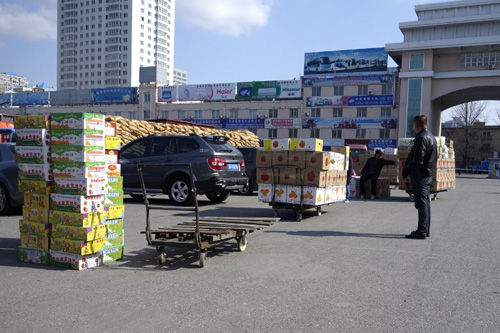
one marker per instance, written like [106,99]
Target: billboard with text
[370,100]
[283,123]
[5,99]
[350,123]
[126,95]
[207,92]
[30,98]
[347,80]
[269,90]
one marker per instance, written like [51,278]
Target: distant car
[250,157]
[389,123]
[348,124]
[218,167]
[10,197]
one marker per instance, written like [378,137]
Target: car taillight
[216,163]
[242,164]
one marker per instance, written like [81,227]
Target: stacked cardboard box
[320,179]
[443,176]
[382,191]
[33,155]
[388,171]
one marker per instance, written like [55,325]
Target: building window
[316,91]
[197,114]
[360,134]
[361,112]
[252,113]
[336,133]
[417,61]
[163,114]
[387,89]
[215,114]
[293,133]
[316,113]
[338,91]
[147,114]
[273,113]
[362,90]
[147,96]
[486,134]
[132,115]
[233,114]
[385,133]
[294,113]
[337,112]
[181,114]
[273,133]
[414,104]
[315,133]
[385,112]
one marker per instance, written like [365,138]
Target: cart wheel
[298,215]
[203,258]
[275,213]
[162,257]
[412,197]
[242,243]
[318,211]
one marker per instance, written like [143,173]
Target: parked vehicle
[6,132]
[218,167]
[10,197]
[250,157]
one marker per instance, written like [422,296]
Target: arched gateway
[450,56]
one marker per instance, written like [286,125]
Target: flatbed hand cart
[200,233]
[298,209]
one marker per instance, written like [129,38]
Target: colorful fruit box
[77,137]
[113,198]
[36,186]
[264,158]
[113,240]
[114,184]
[33,256]
[41,172]
[32,122]
[114,212]
[76,120]
[110,129]
[114,226]
[265,193]
[113,142]
[35,214]
[77,246]
[277,144]
[78,233]
[76,203]
[113,170]
[75,261]
[111,159]
[280,193]
[81,186]
[33,137]
[33,241]
[79,169]
[112,254]
[36,200]
[35,155]
[306,144]
[293,194]
[76,219]
[62,153]
[313,195]
[33,228]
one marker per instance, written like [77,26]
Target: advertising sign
[339,80]
[371,100]
[168,94]
[207,92]
[30,98]
[74,96]
[346,61]
[333,142]
[243,123]
[114,95]
[382,143]
[269,90]
[283,123]
[5,99]
[350,123]
[218,123]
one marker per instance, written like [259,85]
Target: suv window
[163,146]
[186,145]
[136,150]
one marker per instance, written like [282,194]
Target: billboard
[5,99]
[283,123]
[65,97]
[347,80]
[167,94]
[30,98]
[350,123]
[218,123]
[269,90]
[382,143]
[207,92]
[370,100]
[114,95]
[243,123]
[330,63]
[333,142]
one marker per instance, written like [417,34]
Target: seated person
[371,171]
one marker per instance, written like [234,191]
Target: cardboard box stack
[33,155]
[320,180]
[382,191]
[388,171]
[444,174]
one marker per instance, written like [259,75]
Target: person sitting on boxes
[371,171]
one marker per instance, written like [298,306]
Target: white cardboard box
[280,193]
[314,195]
[265,193]
[293,194]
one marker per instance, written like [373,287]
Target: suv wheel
[179,191]
[4,201]
[217,197]
[247,190]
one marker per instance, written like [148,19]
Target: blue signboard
[370,100]
[244,123]
[347,80]
[30,98]
[114,95]
[5,99]
[350,123]
[382,143]
[218,123]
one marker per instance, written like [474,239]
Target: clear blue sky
[221,40]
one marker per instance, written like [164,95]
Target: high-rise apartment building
[103,43]
[180,77]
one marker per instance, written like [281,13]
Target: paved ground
[350,270]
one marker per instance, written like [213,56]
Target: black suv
[218,167]
[250,157]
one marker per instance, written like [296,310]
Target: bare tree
[469,116]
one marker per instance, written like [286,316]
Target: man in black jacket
[419,165]
[350,170]
[371,171]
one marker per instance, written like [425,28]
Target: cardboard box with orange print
[329,198]
[279,157]
[36,200]
[280,193]
[297,158]
[265,193]
[75,261]
[306,144]
[317,161]
[74,137]
[314,178]
[314,196]
[80,186]
[264,159]
[293,194]
[266,175]
[277,144]
[78,170]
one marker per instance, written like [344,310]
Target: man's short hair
[378,151]
[420,120]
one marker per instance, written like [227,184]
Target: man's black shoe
[415,235]
[428,234]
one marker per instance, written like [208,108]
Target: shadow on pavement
[310,233]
